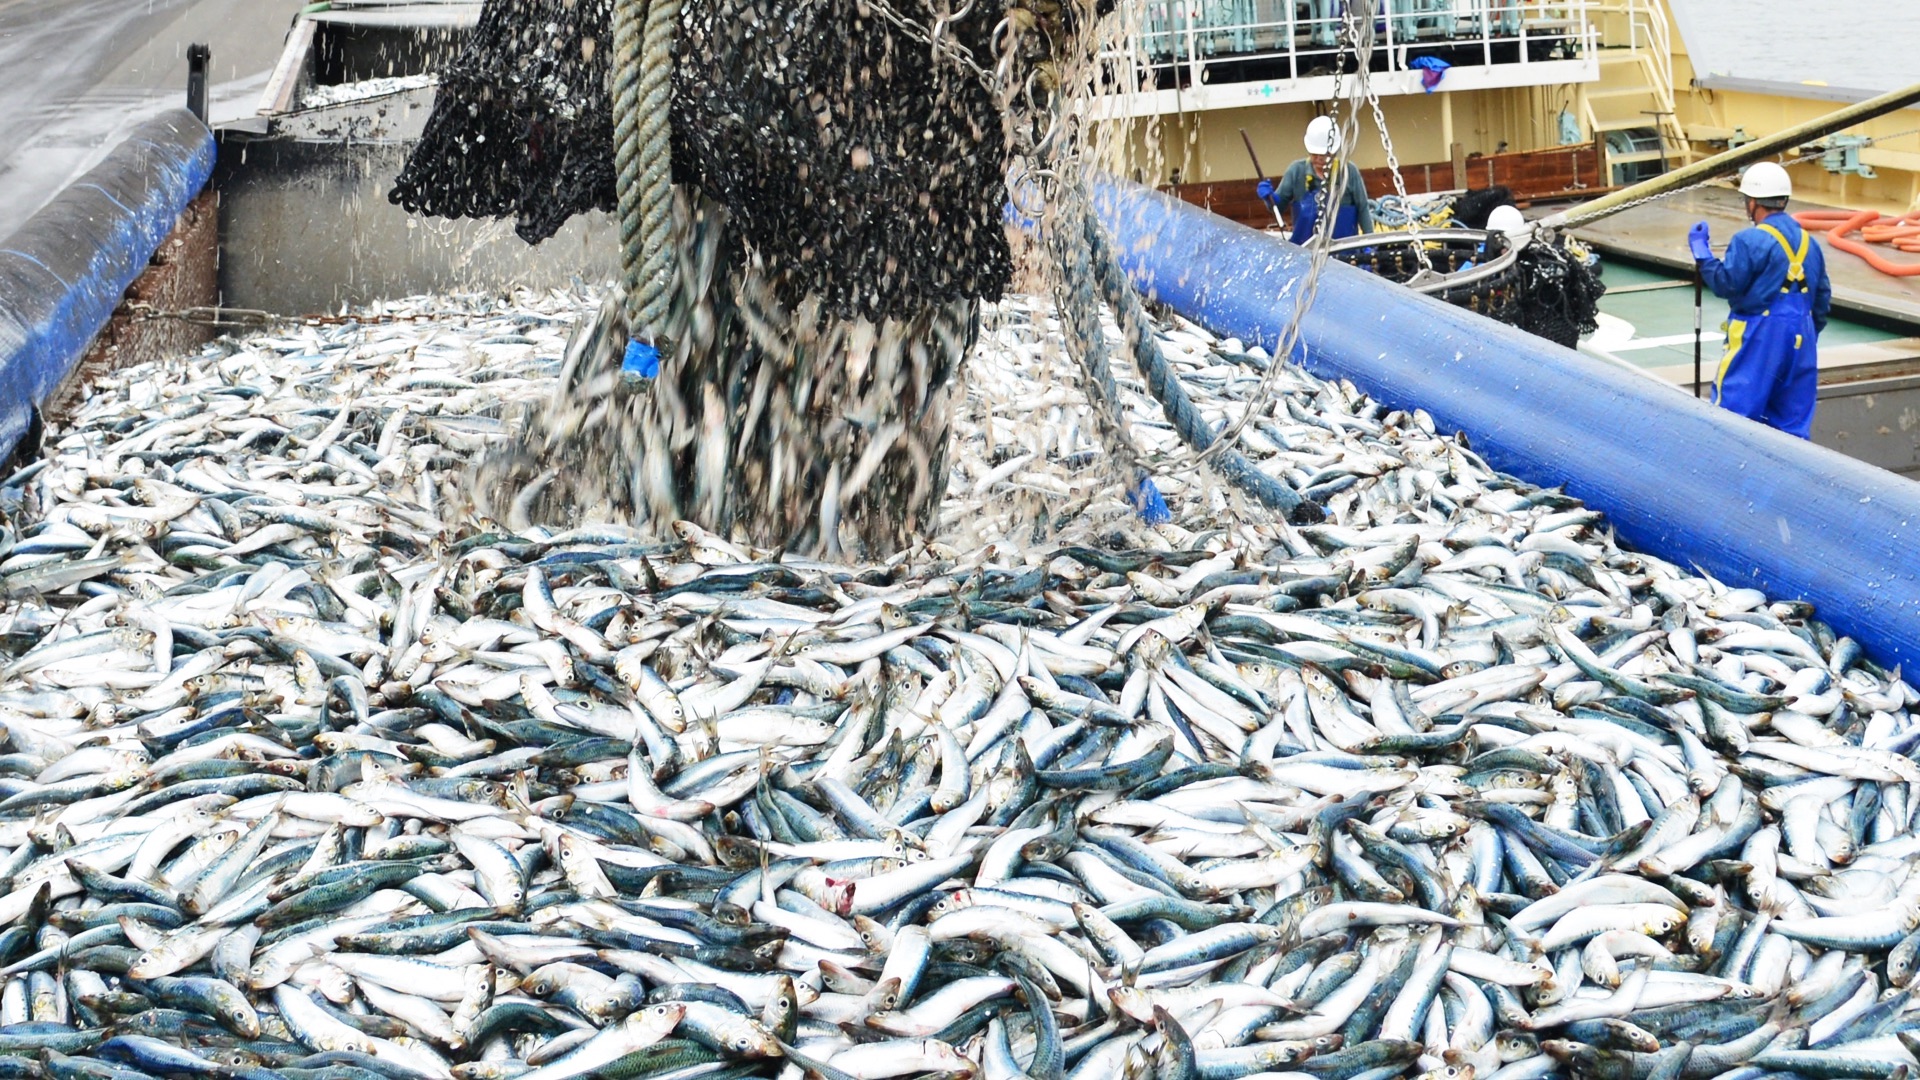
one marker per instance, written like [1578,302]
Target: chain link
[1363,49]
[1635,204]
[939,42]
[1320,252]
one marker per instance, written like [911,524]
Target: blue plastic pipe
[1679,478]
[64,272]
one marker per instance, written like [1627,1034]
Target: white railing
[1650,36]
[1191,40]
[1648,22]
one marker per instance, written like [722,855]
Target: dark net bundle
[839,184]
[1472,208]
[863,166]
[1556,294]
[522,125]
[1552,290]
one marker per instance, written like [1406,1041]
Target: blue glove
[1265,190]
[1697,240]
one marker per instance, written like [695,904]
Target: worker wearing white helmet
[1774,280]
[1301,195]
[1507,219]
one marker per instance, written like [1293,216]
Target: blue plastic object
[1146,498]
[1678,478]
[642,361]
[1431,68]
[64,272]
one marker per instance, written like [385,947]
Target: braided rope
[1077,302]
[643,167]
[1193,429]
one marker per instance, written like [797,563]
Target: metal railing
[1302,36]
[1647,20]
[1649,36]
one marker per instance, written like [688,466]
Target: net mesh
[522,126]
[864,171]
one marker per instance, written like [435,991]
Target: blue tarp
[64,272]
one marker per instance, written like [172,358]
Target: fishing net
[1472,208]
[840,168]
[1551,290]
[1556,293]
[1554,288]
[840,174]
[522,125]
[862,166]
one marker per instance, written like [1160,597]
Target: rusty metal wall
[182,274]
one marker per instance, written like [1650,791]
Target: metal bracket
[198,57]
[1842,155]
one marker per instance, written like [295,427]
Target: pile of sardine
[307,776]
[327,94]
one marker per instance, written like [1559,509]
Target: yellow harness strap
[1796,260]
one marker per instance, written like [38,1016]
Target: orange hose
[1902,233]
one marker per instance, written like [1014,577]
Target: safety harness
[1796,260]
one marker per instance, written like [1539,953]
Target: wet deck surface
[1657,233]
[77,75]
[1648,322]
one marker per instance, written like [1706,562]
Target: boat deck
[1656,233]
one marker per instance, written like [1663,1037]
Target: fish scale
[1057,793]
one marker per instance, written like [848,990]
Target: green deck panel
[1669,313]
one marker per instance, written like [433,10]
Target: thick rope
[1077,303]
[643,167]
[1192,428]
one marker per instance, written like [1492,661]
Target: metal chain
[1320,250]
[933,38]
[1363,49]
[1643,200]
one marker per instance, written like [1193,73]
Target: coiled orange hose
[1901,233]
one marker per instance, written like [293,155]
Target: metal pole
[1698,299]
[1659,132]
[198,57]
[1262,174]
[1720,164]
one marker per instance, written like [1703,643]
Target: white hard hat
[1322,136]
[1506,219]
[1766,180]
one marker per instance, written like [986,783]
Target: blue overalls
[1771,369]
[1306,213]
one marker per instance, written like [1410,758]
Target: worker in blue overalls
[1301,194]
[1774,279]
